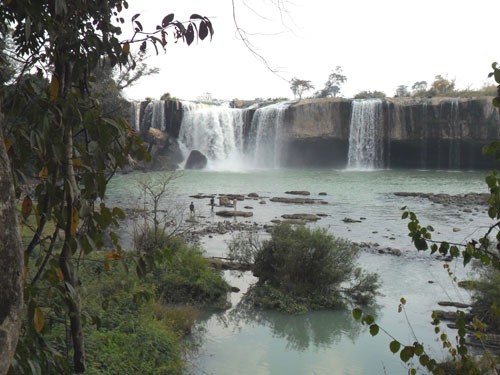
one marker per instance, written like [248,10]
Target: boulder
[196,160]
[224,201]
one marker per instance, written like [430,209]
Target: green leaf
[357,313]
[404,215]
[368,319]
[394,346]
[406,353]
[374,330]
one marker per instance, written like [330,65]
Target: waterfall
[455,135]
[154,115]
[216,131]
[265,136]
[365,137]
[135,115]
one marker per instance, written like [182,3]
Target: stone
[349,220]
[304,217]
[297,200]
[233,213]
[196,160]
[298,192]
[253,195]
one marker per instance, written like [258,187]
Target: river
[329,342]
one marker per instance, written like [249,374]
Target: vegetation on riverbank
[133,325]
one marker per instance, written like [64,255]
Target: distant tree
[402,91]
[332,86]
[299,86]
[166,96]
[419,88]
[370,95]
[442,86]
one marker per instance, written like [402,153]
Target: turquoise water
[329,342]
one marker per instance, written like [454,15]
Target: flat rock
[233,213]
[298,192]
[459,305]
[305,217]
[297,200]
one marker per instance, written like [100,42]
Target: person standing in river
[191,209]
[212,203]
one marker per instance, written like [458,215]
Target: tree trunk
[11,264]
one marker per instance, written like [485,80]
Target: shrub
[186,277]
[311,267]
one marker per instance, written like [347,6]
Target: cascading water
[365,137]
[135,115]
[216,131]
[265,143]
[455,135]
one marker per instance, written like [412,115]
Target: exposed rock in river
[196,160]
[297,200]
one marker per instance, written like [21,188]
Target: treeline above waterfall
[437,133]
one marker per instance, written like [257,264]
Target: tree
[402,91]
[299,86]
[74,149]
[442,86]
[332,87]
[419,87]
[370,95]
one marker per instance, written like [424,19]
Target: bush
[311,267]
[186,277]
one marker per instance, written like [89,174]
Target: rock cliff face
[444,133]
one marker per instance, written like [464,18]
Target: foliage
[333,85]
[300,269]
[127,335]
[402,91]
[74,147]
[187,278]
[370,95]
[299,86]
[244,246]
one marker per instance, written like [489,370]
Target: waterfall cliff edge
[427,133]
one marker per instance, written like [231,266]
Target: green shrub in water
[302,268]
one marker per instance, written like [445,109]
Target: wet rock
[297,200]
[248,207]
[349,220]
[298,192]
[289,221]
[262,202]
[322,193]
[253,195]
[234,213]
[456,230]
[304,217]
[458,305]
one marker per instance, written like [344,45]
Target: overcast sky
[379,44]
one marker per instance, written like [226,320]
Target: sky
[379,45]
